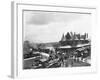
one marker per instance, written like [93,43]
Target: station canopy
[82,45]
[63,47]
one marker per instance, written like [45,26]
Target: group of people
[60,58]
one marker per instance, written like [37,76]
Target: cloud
[43,18]
[39,19]
[49,26]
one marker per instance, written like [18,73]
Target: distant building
[74,39]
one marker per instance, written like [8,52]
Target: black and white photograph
[56,39]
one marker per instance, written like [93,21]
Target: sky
[43,27]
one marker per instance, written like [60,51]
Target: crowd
[42,58]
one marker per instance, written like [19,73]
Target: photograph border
[14,22]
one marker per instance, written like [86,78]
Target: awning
[63,47]
[82,45]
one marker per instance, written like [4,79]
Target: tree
[87,35]
[74,36]
[84,36]
[63,38]
[78,36]
[68,36]
[26,47]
